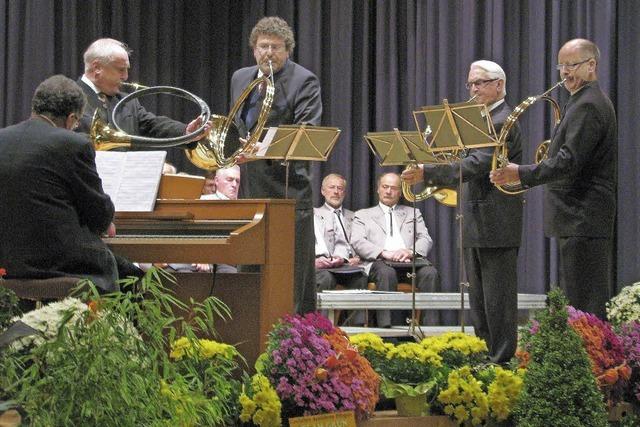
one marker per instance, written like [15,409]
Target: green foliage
[8,307]
[111,367]
[559,386]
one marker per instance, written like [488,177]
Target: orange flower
[3,272]
[609,377]
[524,357]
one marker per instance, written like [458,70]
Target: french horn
[444,195]
[501,154]
[209,153]
[106,138]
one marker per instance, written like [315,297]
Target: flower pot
[411,406]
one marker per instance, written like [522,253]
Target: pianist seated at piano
[226,182]
[54,209]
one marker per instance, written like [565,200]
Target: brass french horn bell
[209,153]
[501,154]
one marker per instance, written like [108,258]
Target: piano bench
[41,289]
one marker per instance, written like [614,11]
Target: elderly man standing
[296,101]
[227,183]
[106,67]
[580,174]
[492,223]
[383,237]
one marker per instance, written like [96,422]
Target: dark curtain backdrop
[377,61]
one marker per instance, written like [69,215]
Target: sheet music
[266,142]
[131,178]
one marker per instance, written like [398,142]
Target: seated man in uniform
[336,261]
[383,237]
[54,209]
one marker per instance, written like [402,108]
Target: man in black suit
[106,67]
[492,223]
[53,206]
[296,101]
[580,173]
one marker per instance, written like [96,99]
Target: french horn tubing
[106,138]
[501,154]
[209,152]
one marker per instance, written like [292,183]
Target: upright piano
[255,232]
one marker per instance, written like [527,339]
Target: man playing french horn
[106,64]
[492,220]
[580,177]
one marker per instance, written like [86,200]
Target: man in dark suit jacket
[53,206]
[580,173]
[106,64]
[492,223]
[296,101]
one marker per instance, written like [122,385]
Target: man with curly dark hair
[54,209]
[296,101]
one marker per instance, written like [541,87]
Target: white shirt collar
[495,105]
[221,196]
[89,83]
[386,208]
[331,208]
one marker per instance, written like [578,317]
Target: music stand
[452,129]
[297,142]
[397,148]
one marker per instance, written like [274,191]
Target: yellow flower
[370,341]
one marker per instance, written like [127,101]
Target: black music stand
[449,130]
[297,142]
[403,148]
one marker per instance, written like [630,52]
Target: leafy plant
[111,365]
[8,307]
[559,386]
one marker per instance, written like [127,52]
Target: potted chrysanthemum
[409,371]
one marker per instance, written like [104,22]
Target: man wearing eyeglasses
[53,206]
[492,220]
[580,177]
[296,101]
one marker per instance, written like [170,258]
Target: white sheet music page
[131,178]
[266,142]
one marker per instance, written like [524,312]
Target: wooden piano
[256,232]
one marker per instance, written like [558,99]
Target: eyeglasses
[571,67]
[275,48]
[479,83]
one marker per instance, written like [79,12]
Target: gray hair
[104,50]
[493,71]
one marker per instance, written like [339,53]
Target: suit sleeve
[308,102]
[95,208]
[157,126]
[584,130]
[424,243]
[361,244]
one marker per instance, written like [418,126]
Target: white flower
[625,306]
[47,321]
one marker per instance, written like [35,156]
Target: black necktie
[390,221]
[344,232]
[254,105]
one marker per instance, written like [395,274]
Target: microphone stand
[414,326]
[460,217]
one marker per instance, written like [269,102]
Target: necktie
[390,221]
[254,106]
[344,232]
[104,108]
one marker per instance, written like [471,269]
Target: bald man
[580,176]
